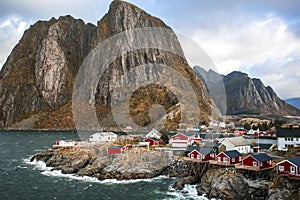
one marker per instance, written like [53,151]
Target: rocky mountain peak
[37,79]
[123,16]
[247,96]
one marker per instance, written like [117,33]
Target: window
[260,164]
[292,139]
[212,155]
[192,156]
[285,139]
[240,158]
[281,168]
[225,159]
[292,169]
[254,164]
[177,138]
[198,157]
[233,159]
[219,159]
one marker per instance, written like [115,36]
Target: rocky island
[140,163]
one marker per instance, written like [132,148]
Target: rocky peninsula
[140,163]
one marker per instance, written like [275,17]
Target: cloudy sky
[259,37]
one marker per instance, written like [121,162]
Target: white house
[153,134]
[236,143]
[288,137]
[180,140]
[63,143]
[103,137]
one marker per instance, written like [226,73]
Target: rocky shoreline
[214,181]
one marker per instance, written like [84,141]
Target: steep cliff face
[40,71]
[245,95]
[38,76]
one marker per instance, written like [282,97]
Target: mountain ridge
[38,76]
[294,102]
[245,95]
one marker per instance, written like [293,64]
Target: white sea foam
[47,171]
[188,192]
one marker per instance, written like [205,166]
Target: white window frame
[192,156]
[225,159]
[292,169]
[198,157]
[219,159]
[254,164]
[281,168]
[233,159]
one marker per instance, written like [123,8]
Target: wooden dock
[251,168]
[214,162]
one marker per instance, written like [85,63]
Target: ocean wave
[48,171]
[188,192]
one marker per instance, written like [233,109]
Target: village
[242,149]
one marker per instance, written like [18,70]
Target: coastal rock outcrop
[212,181]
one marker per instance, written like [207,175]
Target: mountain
[36,82]
[244,95]
[294,102]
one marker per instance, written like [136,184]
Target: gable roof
[265,146]
[209,136]
[237,141]
[288,132]
[232,153]
[211,145]
[180,134]
[153,133]
[295,160]
[205,151]
[192,148]
[201,150]
[261,157]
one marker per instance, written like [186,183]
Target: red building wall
[114,151]
[206,157]
[249,162]
[229,160]
[151,142]
[195,154]
[286,170]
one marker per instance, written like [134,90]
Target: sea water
[22,179]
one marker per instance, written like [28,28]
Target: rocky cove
[139,163]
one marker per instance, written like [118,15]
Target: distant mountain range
[294,102]
[243,95]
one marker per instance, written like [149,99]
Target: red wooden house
[229,157]
[258,161]
[179,140]
[202,154]
[289,167]
[152,141]
[115,150]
